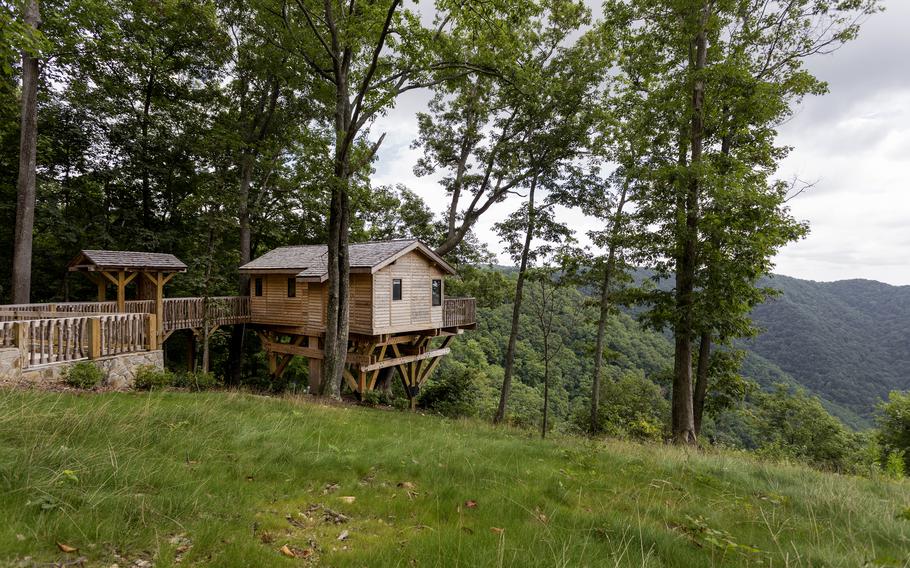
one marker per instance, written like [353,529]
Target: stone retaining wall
[119,370]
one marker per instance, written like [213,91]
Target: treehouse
[397,306]
[399,315]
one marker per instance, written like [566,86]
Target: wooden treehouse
[397,308]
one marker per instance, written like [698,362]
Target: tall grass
[229,479]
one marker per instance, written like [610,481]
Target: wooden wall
[274,306]
[372,308]
[414,311]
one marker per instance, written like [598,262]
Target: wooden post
[159,303]
[121,291]
[315,375]
[151,331]
[102,288]
[93,329]
[20,336]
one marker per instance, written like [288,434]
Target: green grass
[228,479]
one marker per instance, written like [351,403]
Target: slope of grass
[230,479]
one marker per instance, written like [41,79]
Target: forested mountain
[847,341]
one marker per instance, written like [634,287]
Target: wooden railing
[191,313]
[459,312]
[66,339]
[179,313]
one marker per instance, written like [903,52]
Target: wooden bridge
[51,333]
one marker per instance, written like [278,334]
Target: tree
[548,305]
[477,128]
[893,422]
[716,79]
[28,150]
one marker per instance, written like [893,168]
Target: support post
[315,375]
[20,335]
[151,332]
[93,329]
[121,291]
[159,304]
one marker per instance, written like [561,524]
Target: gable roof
[126,260]
[309,262]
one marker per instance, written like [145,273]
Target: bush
[453,393]
[790,423]
[149,377]
[371,398]
[197,381]
[894,465]
[631,407]
[894,425]
[83,375]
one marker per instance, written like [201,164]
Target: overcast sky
[853,144]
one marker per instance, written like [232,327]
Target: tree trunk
[701,379]
[146,173]
[516,310]
[683,420]
[605,312]
[235,355]
[546,388]
[25,186]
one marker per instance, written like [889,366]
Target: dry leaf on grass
[286,550]
[343,536]
[470,504]
[497,530]
[348,499]
[406,485]
[67,548]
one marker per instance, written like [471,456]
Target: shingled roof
[310,261]
[126,260]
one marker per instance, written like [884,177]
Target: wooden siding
[372,309]
[274,306]
[414,311]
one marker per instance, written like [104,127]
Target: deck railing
[187,313]
[67,339]
[459,312]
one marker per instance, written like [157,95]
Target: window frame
[292,287]
[436,292]
[399,283]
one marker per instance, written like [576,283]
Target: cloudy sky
[853,144]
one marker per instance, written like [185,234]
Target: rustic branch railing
[459,311]
[66,339]
[179,313]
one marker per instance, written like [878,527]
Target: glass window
[258,284]
[292,287]
[437,292]
[396,289]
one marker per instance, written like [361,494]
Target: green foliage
[789,423]
[195,381]
[631,407]
[895,467]
[894,426]
[454,393]
[150,377]
[83,375]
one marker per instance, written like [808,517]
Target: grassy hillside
[229,480]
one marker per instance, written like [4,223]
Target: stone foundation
[119,370]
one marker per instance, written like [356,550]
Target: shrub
[453,393]
[894,465]
[197,381]
[371,398]
[83,375]
[631,407]
[149,377]
[893,422]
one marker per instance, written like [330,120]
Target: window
[396,289]
[437,292]
[292,287]
[258,283]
